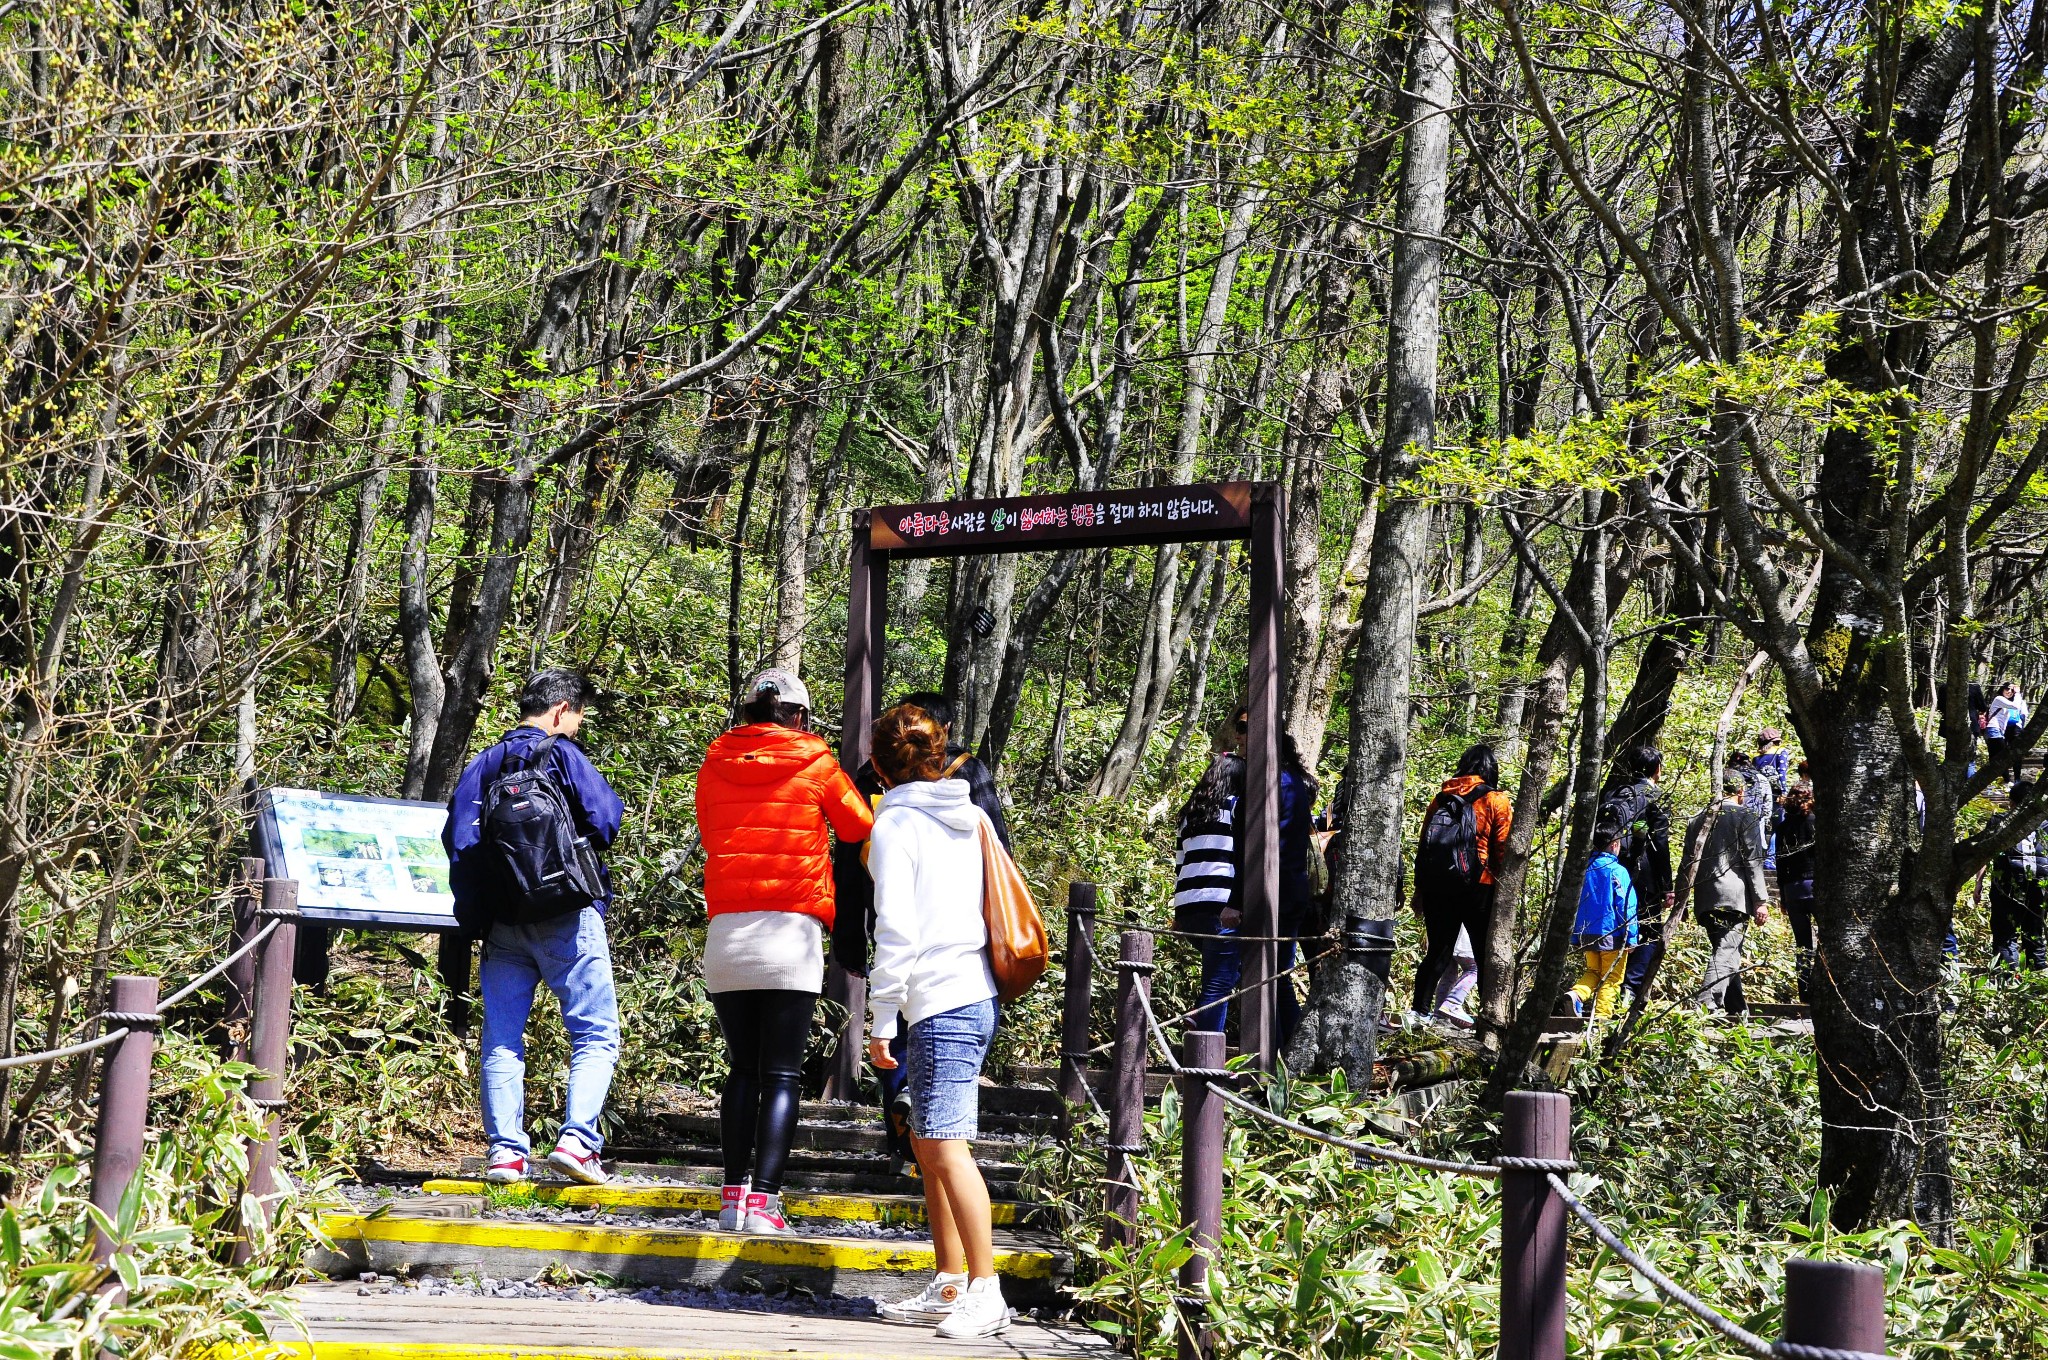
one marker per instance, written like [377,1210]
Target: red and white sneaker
[506,1167]
[764,1213]
[576,1164]
[732,1207]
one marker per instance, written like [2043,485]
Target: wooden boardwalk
[346,1323]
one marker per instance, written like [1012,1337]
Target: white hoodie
[931,947]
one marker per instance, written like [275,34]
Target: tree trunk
[1369,885]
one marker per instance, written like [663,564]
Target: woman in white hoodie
[931,972]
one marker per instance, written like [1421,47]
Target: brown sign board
[1161,514]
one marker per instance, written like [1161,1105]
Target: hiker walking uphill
[2019,882]
[1208,901]
[1604,930]
[931,974]
[1464,835]
[1729,891]
[1633,810]
[769,797]
[853,926]
[1796,865]
[525,826]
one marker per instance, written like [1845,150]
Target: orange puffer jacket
[764,799]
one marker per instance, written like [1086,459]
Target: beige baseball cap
[788,688]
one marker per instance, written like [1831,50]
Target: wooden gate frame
[1209,512]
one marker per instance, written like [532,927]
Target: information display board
[359,861]
[1164,514]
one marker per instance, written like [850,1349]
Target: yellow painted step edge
[825,1253]
[464,1350]
[704,1199]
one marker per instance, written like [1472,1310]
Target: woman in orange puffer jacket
[766,796]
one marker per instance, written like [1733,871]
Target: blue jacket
[1607,907]
[596,806]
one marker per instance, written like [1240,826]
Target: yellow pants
[1600,983]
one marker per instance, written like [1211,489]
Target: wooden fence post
[241,974]
[1538,1125]
[1127,1087]
[1201,1185]
[1838,1305]
[124,1100]
[1077,1003]
[270,1043]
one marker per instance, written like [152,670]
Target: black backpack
[1450,838]
[544,868]
[1621,812]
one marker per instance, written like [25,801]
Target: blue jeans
[944,1058]
[1222,971]
[574,958]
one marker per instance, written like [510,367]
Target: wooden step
[1032,1267]
[1157,1079]
[655,1199]
[867,1137]
[1004,1109]
[805,1171]
[348,1322]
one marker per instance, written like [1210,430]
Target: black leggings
[765,1033]
[1446,906]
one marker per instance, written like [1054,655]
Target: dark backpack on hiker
[1622,812]
[1450,838]
[544,868]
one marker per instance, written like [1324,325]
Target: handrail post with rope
[124,1101]
[1127,1088]
[1076,1003]
[1832,1306]
[1201,1185]
[241,974]
[1536,1142]
[270,1044]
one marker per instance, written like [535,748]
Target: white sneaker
[577,1162]
[506,1167]
[732,1207]
[930,1305]
[764,1213]
[980,1312]
[1454,1016]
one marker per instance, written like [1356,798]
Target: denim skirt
[944,1054]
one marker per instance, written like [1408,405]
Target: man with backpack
[525,826]
[1633,811]
[1464,836]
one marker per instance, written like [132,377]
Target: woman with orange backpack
[1464,835]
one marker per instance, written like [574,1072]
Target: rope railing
[136,1012]
[1833,1310]
[249,947]
[129,1021]
[1246,990]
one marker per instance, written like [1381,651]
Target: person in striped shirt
[1207,896]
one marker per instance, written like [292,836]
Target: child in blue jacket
[1605,929]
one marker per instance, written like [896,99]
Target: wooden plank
[345,1324]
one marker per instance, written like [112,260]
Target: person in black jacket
[853,928]
[1633,807]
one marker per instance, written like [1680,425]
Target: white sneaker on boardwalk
[980,1312]
[578,1163]
[934,1303]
